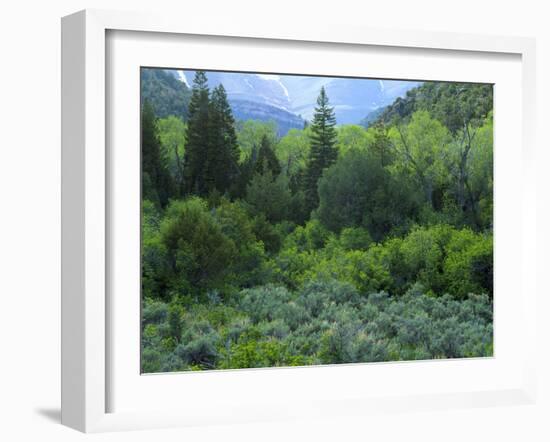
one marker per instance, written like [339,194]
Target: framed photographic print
[251,214]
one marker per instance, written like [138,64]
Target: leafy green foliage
[355,238]
[251,132]
[353,137]
[269,196]
[359,191]
[198,252]
[452,104]
[421,145]
[171,132]
[237,225]
[442,258]
[293,150]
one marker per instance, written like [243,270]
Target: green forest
[330,244]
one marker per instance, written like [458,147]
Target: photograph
[293,220]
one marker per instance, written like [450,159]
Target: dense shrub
[447,260]
[198,251]
[442,258]
[359,190]
[323,323]
[355,238]
[312,236]
[155,269]
[153,312]
[247,268]
[270,196]
[263,303]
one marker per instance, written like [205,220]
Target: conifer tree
[196,148]
[222,161]
[382,146]
[246,173]
[323,151]
[158,185]
[267,160]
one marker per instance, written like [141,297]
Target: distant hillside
[167,94]
[250,110]
[252,97]
[372,116]
[444,101]
[352,98]
[288,100]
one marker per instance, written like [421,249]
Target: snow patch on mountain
[285,90]
[277,79]
[181,76]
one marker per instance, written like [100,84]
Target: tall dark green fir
[157,183]
[267,160]
[196,148]
[323,151]
[222,161]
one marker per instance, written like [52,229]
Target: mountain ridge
[289,100]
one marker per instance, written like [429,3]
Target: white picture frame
[86,315]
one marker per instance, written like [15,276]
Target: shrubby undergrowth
[326,322]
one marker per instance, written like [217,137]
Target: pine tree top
[324,114]
[220,102]
[324,121]
[267,159]
[200,81]
[220,91]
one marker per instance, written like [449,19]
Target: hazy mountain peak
[352,98]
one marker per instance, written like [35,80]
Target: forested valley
[330,244]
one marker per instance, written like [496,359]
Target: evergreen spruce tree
[267,160]
[222,162]
[382,146]
[323,151]
[157,183]
[245,174]
[197,143]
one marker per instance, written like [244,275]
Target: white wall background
[30,215]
